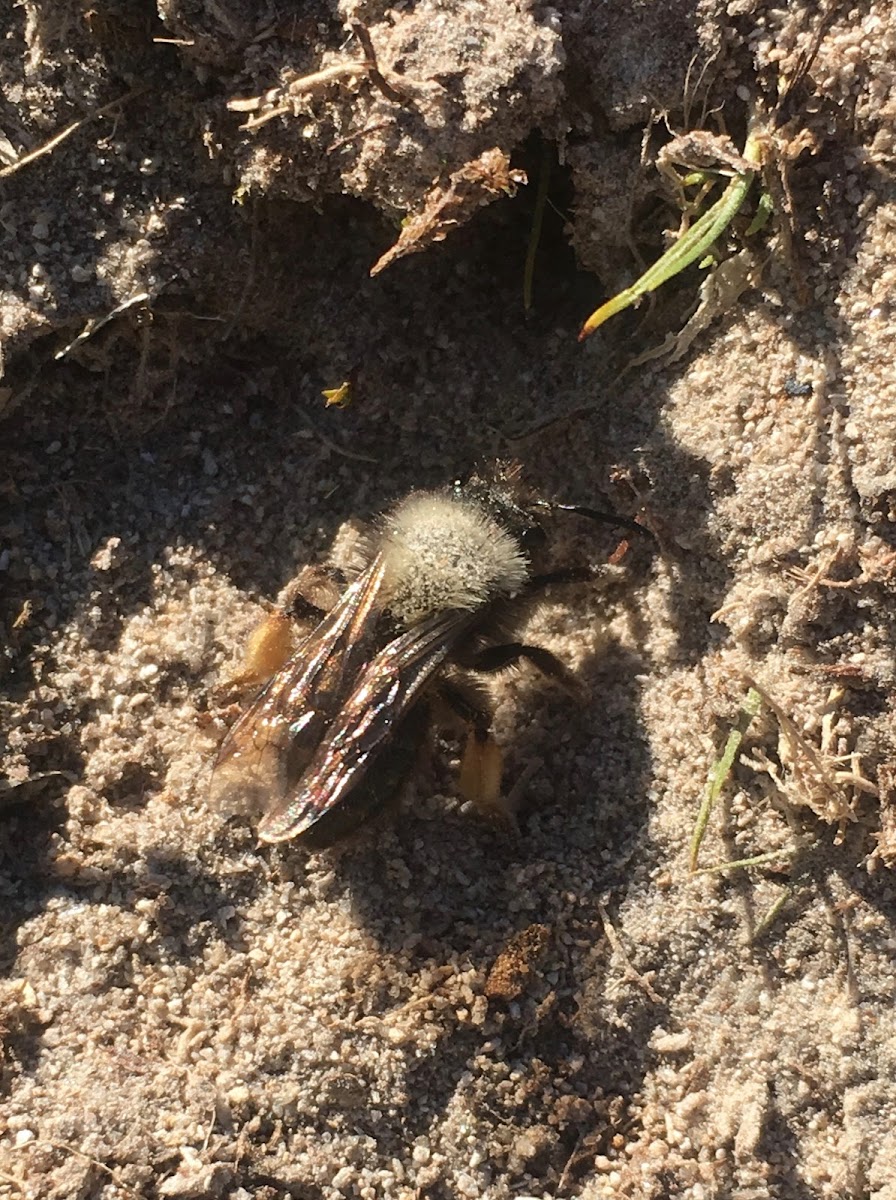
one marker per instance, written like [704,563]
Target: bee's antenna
[594,514]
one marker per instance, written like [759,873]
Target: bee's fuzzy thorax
[443,551]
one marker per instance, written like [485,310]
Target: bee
[338,727]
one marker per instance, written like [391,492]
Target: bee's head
[499,490]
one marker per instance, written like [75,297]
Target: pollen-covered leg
[270,645]
[481,771]
[481,766]
[301,605]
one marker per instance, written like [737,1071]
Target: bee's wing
[287,721]
[386,689]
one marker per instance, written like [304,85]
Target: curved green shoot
[691,246]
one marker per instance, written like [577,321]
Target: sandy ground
[437,1009]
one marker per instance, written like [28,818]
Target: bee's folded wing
[288,720]
[385,691]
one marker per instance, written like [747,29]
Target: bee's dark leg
[595,514]
[538,583]
[466,700]
[311,595]
[303,609]
[499,658]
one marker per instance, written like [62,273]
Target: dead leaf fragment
[450,204]
[516,964]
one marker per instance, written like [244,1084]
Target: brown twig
[89,1158]
[334,446]
[308,83]
[376,76]
[58,138]
[358,133]
[96,323]
[282,97]
[629,973]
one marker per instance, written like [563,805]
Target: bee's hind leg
[269,646]
[481,772]
[482,762]
[301,605]
[499,658]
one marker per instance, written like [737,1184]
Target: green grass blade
[722,770]
[692,245]
[740,864]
